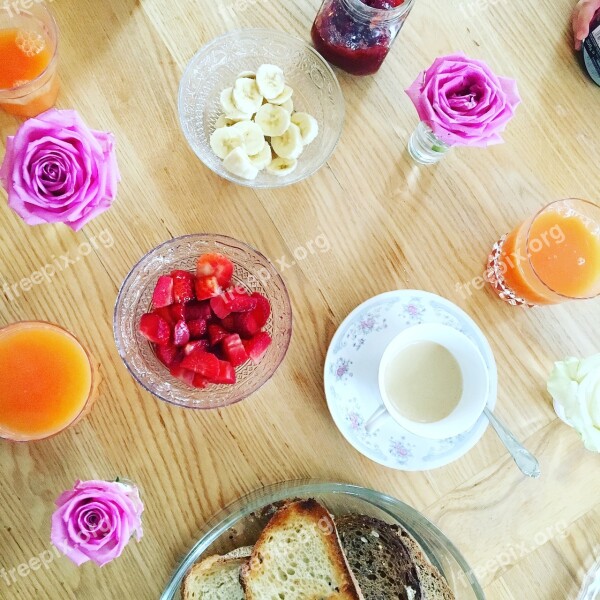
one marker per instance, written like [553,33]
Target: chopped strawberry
[250,323]
[178,312]
[183,286]
[262,312]
[234,350]
[216,333]
[226,373]
[197,328]
[237,300]
[181,333]
[215,265]
[168,354]
[165,313]
[155,328]
[189,348]
[219,352]
[197,310]
[199,381]
[207,287]
[246,324]
[184,374]
[201,362]
[218,306]
[228,323]
[163,292]
[257,346]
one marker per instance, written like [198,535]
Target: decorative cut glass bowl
[251,270]
[240,525]
[591,584]
[216,67]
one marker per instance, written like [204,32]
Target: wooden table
[390,224]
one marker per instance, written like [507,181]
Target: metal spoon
[526,461]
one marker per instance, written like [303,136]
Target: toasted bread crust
[379,558]
[312,510]
[208,564]
[424,565]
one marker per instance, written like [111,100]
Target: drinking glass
[552,257]
[48,381]
[28,98]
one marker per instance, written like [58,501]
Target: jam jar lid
[367,13]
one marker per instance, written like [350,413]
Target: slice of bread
[379,558]
[216,577]
[299,557]
[431,581]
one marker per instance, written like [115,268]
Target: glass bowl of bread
[311,539]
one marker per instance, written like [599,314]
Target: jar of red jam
[356,35]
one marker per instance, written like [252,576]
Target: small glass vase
[425,147]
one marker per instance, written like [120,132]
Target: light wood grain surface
[390,225]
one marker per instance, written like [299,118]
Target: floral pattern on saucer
[351,379]
[341,369]
[369,323]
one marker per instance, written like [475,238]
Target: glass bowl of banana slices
[261,108]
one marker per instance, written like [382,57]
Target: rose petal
[96,520]
[463,101]
[86,163]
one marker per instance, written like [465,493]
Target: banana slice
[263,158]
[259,128]
[246,96]
[308,125]
[284,96]
[223,121]
[270,80]
[282,166]
[289,106]
[224,140]
[288,145]
[272,119]
[238,163]
[253,140]
[231,110]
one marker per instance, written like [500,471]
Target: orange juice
[556,255]
[46,380]
[572,269]
[25,56]
[28,61]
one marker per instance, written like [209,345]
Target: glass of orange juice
[29,59]
[48,380]
[551,258]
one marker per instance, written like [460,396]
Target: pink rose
[463,101]
[95,521]
[56,169]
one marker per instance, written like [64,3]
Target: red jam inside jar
[356,35]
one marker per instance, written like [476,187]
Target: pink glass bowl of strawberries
[203,321]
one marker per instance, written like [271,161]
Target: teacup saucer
[351,379]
